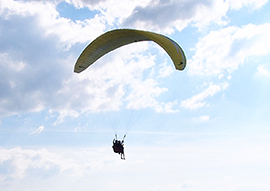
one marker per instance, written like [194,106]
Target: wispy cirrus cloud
[37,131]
[198,100]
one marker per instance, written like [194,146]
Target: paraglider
[114,39]
[118,147]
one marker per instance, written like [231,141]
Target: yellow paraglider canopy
[116,38]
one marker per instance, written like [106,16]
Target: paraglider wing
[116,38]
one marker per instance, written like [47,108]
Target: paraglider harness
[118,147]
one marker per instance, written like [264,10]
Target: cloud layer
[225,159]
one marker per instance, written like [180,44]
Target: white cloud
[197,101]
[17,87]
[112,11]
[34,69]
[28,162]
[225,49]
[238,4]
[83,3]
[132,84]
[47,17]
[37,131]
[165,70]
[263,70]
[143,94]
[64,169]
[166,16]
[202,118]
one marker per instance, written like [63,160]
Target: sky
[204,128]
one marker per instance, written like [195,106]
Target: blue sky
[204,128]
